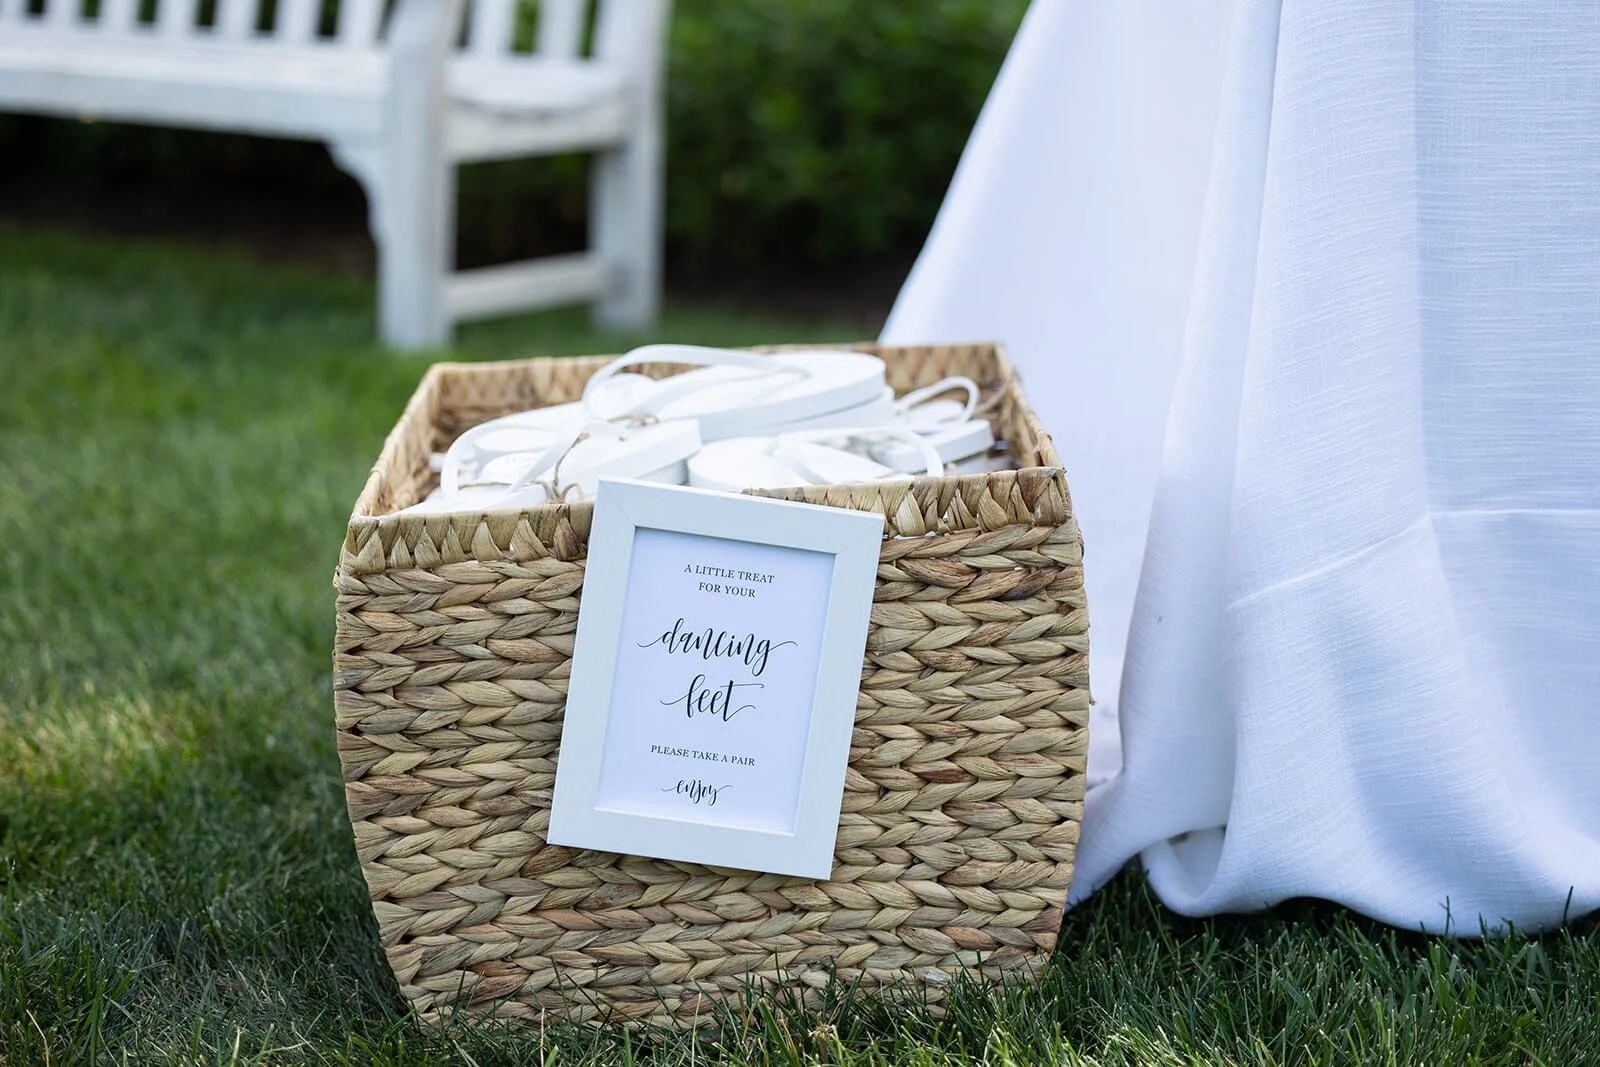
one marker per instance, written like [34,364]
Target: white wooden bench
[400,102]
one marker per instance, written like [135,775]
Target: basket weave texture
[964,790]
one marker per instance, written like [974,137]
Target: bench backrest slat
[561,26]
[177,18]
[562,31]
[62,12]
[236,19]
[297,21]
[119,14]
[489,33]
[358,23]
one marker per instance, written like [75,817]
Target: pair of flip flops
[737,421]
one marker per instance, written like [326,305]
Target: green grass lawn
[181,437]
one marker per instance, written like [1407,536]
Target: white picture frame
[633,775]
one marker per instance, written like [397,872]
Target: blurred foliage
[822,129]
[821,132]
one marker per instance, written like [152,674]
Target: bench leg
[415,235]
[410,182]
[410,211]
[625,227]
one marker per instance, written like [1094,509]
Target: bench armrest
[421,33]
[632,34]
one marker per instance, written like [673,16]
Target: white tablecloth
[1309,296]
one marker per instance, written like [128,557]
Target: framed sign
[714,678]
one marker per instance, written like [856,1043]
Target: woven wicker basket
[965,783]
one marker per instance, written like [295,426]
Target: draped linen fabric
[1309,296]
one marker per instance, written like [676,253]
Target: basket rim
[1034,494]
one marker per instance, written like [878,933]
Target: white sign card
[714,678]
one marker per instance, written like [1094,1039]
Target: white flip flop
[920,410]
[734,394]
[810,457]
[574,462]
[879,411]
[738,421]
[947,425]
[952,443]
[537,429]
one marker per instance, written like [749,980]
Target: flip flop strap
[547,460]
[551,458]
[796,457]
[917,397]
[697,355]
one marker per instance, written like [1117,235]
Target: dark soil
[286,202]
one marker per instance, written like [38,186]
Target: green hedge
[824,130]
[807,132]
